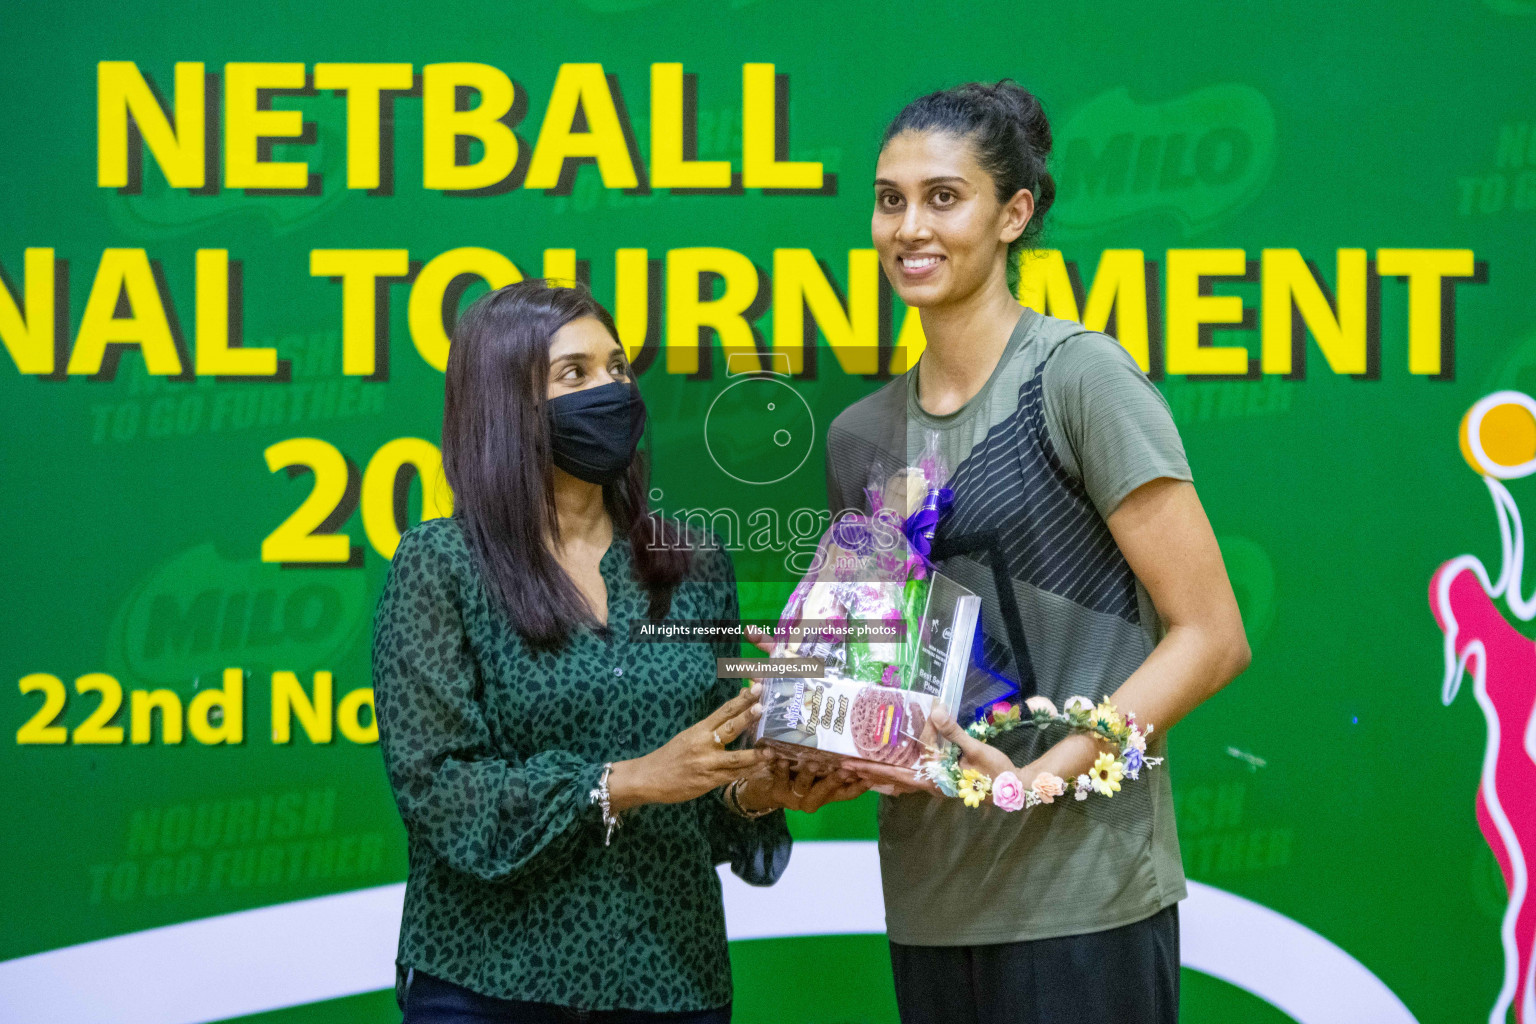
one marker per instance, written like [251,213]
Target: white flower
[1079,706]
[1081,788]
[1038,704]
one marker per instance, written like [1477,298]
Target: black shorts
[1126,975]
[428,1000]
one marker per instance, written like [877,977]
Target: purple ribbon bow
[920,525]
[852,534]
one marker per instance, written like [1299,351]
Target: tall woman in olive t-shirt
[566,792]
[1103,540]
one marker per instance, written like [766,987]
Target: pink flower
[1000,710]
[1137,741]
[1008,792]
[1039,704]
[1048,787]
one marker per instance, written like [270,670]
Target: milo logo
[199,613]
[1198,157]
[160,211]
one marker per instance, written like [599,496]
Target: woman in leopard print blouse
[512,701]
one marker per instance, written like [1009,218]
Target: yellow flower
[1105,775]
[1107,716]
[973,787]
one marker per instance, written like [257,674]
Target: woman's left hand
[778,787]
[983,757]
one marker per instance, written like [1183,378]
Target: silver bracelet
[600,797]
[732,799]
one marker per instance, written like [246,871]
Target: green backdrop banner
[234,240]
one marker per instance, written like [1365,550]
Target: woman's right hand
[894,781]
[694,761]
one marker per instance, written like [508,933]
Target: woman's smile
[919,265]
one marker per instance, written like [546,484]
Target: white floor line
[302,952]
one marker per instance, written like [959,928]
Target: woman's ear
[1016,214]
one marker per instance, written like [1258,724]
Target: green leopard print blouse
[492,750]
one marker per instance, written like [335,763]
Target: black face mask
[594,433]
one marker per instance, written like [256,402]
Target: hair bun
[1023,108]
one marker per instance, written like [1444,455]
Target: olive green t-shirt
[1066,426]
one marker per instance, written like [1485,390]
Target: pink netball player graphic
[1498,438]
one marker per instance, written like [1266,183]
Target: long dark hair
[496,457]
[1007,126]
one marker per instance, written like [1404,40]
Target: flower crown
[1080,715]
